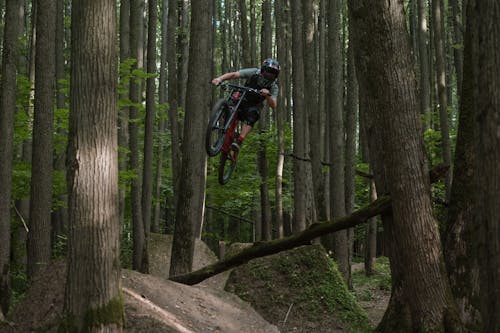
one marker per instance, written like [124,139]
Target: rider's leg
[245,130]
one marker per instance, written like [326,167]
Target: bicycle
[223,128]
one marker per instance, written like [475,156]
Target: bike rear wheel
[214,137]
[226,168]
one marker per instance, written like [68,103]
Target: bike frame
[234,105]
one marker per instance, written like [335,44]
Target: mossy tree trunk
[385,61]
[93,244]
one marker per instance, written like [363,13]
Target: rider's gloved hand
[216,81]
[265,92]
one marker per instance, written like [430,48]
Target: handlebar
[224,86]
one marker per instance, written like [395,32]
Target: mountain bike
[223,128]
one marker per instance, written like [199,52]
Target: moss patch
[300,290]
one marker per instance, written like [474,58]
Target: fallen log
[261,249]
[315,230]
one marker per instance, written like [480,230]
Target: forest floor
[284,303]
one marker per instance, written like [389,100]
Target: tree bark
[336,128]
[266,48]
[461,264]
[39,242]
[147,171]
[123,111]
[300,120]
[8,89]
[189,210]
[173,100]
[93,244]
[442,94]
[385,60]
[423,51]
[140,258]
[485,16]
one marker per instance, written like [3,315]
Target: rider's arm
[271,101]
[224,77]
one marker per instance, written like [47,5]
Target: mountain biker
[263,79]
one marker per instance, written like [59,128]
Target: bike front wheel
[214,137]
[226,167]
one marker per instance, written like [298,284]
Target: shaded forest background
[103,112]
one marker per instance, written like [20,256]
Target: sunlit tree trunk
[93,244]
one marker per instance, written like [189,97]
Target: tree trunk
[60,213]
[189,210]
[123,127]
[147,171]
[93,253]
[485,16]
[299,121]
[423,50]
[265,205]
[245,42]
[162,99]
[385,60]
[173,100]
[140,260]
[462,265]
[337,187]
[279,9]
[39,245]
[10,53]
[442,94]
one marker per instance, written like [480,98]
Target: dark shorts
[249,115]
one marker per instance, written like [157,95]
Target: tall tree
[189,210]
[423,50]
[123,112]
[173,100]
[461,264]
[246,54]
[385,59]
[93,252]
[337,147]
[10,51]
[300,120]
[39,245]
[266,50]
[485,16]
[438,35]
[279,9]
[140,256]
[162,99]
[147,171]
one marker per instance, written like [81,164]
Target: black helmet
[270,68]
